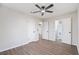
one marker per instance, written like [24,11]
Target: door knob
[34,31]
[69,32]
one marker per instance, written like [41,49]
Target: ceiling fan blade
[51,5]
[37,6]
[35,11]
[49,11]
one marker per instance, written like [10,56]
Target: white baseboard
[16,46]
[78,48]
[13,47]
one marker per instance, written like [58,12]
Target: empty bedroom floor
[43,47]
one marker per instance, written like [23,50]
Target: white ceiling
[59,8]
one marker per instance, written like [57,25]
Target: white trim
[16,46]
[78,49]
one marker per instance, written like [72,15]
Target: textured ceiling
[59,8]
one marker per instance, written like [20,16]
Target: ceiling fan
[43,9]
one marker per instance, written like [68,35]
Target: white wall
[16,29]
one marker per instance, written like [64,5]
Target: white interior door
[66,30]
[45,30]
[40,30]
[32,31]
[63,30]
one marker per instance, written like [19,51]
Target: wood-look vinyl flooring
[43,47]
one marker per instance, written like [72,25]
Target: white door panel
[63,30]
[67,30]
[45,30]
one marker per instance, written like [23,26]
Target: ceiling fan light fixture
[43,11]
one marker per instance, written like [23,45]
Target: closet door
[45,30]
[63,30]
[66,30]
